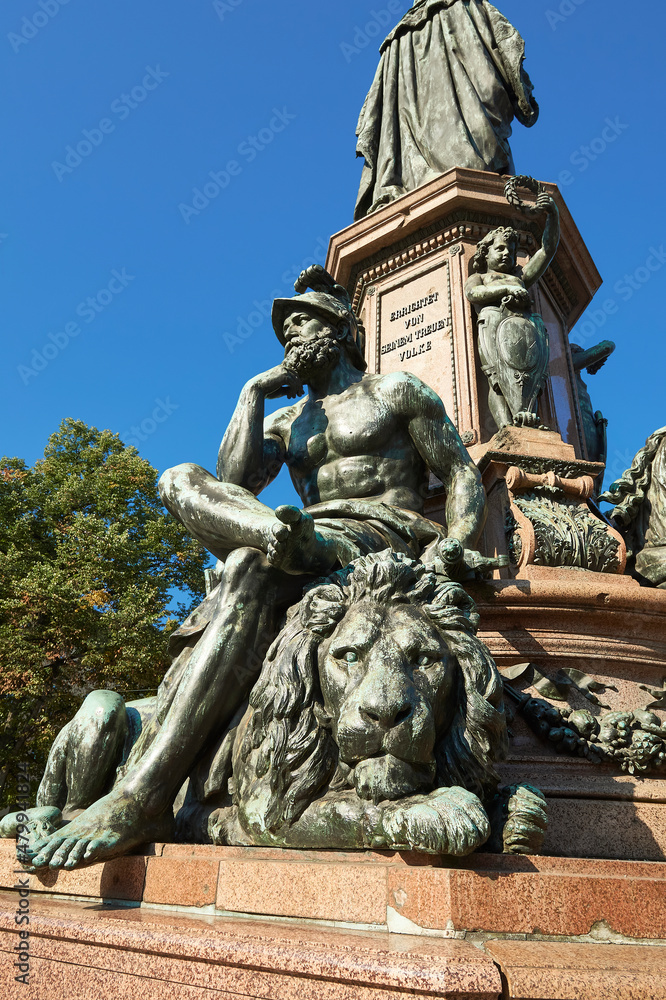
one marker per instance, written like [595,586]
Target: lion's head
[377,682]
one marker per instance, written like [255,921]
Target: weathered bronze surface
[449,84]
[375,722]
[639,499]
[359,448]
[513,340]
[634,742]
[594,422]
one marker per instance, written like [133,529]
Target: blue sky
[132,295]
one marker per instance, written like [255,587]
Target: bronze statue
[594,423]
[375,722]
[513,340]
[358,448]
[449,84]
[639,499]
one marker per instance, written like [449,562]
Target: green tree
[89,563]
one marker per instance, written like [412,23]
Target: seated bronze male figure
[359,448]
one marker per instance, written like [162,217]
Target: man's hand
[278,382]
[463,564]
[250,455]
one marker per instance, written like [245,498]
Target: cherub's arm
[542,259]
[480,294]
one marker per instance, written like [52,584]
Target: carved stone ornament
[634,742]
[551,523]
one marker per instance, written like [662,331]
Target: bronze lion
[376,722]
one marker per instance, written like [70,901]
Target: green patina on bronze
[513,340]
[449,84]
[594,422]
[359,449]
[639,501]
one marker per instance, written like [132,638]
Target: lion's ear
[321,609]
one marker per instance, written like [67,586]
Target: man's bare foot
[111,827]
[48,816]
[295,547]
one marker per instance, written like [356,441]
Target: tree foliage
[89,561]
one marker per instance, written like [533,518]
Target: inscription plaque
[415,334]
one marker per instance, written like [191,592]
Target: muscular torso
[352,445]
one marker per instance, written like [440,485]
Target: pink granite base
[380,891]
[202,921]
[80,951]
[550,971]
[83,951]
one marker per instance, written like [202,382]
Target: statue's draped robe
[650,529]
[448,86]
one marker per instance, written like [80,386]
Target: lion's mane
[287,749]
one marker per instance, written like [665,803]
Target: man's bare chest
[354,425]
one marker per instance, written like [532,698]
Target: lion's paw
[448,821]
[519,819]
[527,820]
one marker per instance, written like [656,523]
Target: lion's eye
[350,656]
[426,660]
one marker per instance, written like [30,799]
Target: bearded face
[311,345]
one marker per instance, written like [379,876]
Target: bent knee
[241,562]
[180,477]
[105,709]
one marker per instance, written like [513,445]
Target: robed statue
[449,84]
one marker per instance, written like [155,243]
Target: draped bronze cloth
[651,561]
[449,84]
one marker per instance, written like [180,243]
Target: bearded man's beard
[305,359]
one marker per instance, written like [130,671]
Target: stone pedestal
[203,922]
[615,631]
[406,266]
[539,509]
[197,922]
[563,601]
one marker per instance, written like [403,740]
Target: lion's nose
[386,715]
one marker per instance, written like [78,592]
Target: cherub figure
[513,340]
